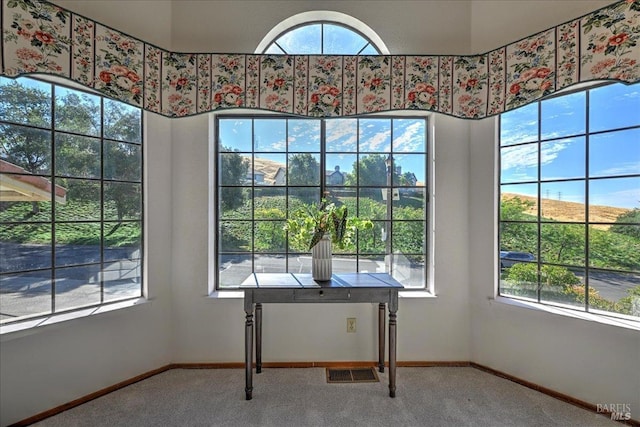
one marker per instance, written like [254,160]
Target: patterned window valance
[39,37]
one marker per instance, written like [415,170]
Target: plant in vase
[317,228]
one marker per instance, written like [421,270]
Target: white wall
[182,324]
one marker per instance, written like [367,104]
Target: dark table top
[303,281]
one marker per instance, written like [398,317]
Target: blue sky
[563,154]
[344,137]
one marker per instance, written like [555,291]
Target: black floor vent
[352,375]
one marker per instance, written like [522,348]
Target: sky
[405,138]
[613,151]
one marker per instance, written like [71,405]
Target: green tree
[372,170]
[631,217]
[233,172]
[304,169]
[517,234]
[27,147]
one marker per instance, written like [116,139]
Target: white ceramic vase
[321,260]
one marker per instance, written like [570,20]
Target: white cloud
[411,139]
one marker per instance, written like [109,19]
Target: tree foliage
[304,169]
[233,172]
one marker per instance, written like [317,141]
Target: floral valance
[39,37]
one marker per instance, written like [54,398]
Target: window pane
[234,269]
[563,201]
[374,240]
[339,40]
[122,161]
[21,211]
[235,203]
[270,135]
[122,279]
[563,116]
[372,170]
[615,292]
[27,101]
[375,135]
[626,100]
[302,41]
[615,153]
[270,203]
[122,122]
[235,169]
[25,247]
[303,195]
[270,264]
[519,202]
[518,237]
[122,240]
[411,204]
[340,169]
[561,285]
[273,49]
[77,156]
[304,169]
[342,135]
[25,148]
[409,135]
[77,112]
[615,248]
[25,294]
[270,169]
[371,205]
[519,164]
[235,135]
[521,281]
[304,135]
[409,239]
[519,125]
[563,244]
[562,159]
[616,192]
[269,236]
[77,287]
[122,201]
[235,236]
[409,170]
[82,201]
[77,243]
[369,50]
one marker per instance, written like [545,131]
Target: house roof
[19,185]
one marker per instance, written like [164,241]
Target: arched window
[322,32]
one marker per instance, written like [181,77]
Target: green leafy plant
[308,224]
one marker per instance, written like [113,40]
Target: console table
[262,288]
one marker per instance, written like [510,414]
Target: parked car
[508,258]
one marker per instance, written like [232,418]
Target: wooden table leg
[392,353]
[258,338]
[248,352]
[381,332]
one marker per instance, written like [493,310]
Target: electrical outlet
[351,324]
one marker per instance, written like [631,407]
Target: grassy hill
[571,211]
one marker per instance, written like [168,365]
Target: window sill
[566,312]
[31,326]
[236,294]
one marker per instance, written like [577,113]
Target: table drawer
[320,295]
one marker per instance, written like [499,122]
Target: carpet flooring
[434,396]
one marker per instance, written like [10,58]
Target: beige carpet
[438,396]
